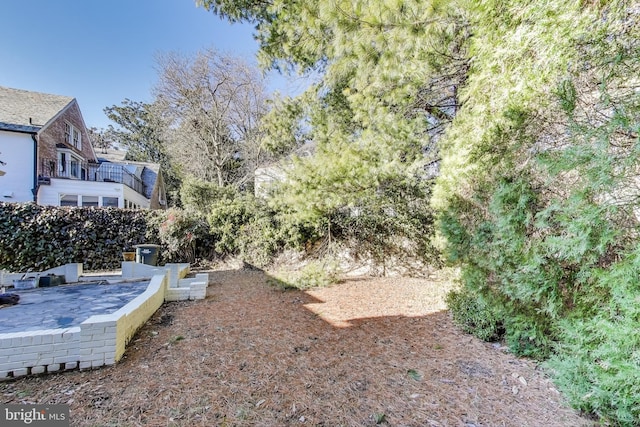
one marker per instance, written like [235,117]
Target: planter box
[29,283]
[129,256]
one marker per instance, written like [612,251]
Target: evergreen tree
[382,99]
[533,109]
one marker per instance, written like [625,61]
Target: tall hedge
[539,194]
[37,237]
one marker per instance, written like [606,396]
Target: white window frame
[62,196]
[90,201]
[72,135]
[112,198]
[67,132]
[77,138]
[69,164]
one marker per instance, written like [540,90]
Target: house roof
[111,155]
[26,111]
[119,157]
[147,172]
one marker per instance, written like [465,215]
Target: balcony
[85,171]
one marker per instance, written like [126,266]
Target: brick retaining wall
[98,341]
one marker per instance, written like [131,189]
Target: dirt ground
[364,352]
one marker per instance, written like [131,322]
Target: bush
[475,316]
[597,367]
[201,196]
[243,225]
[183,234]
[398,223]
[539,202]
[38,237]
[317,273]
[597,361]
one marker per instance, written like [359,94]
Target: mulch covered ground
[364,352]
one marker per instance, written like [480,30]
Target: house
[149,173]
[265,177]
[48,158]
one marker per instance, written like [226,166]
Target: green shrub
[243,225]
[474,315]
[183,234]
[597,361]
[538,200]
[317,273]
[597,367]
[398,223]
[227,217]
[38,237]
[530,334]
[201,196]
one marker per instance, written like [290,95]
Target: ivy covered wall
[41,237]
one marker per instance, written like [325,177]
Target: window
[134,206]
[77,139]
[110,202]
[69,165]
[72,135]
[88,201]
[128,204]
[69,200]
[75,168]
[67,132]
[62,164]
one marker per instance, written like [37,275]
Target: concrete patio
[88,323]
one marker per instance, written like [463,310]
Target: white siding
[49,195]
[17,151]
[136,198]
[265,177]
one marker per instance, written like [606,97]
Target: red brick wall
[54,134]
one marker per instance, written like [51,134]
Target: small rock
[522,380]
[414,396]
[515,390]
[302,419]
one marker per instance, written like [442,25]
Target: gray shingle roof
[148,171]
[26,111]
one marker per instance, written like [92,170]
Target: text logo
[34,415]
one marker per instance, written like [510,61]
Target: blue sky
[103,51]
